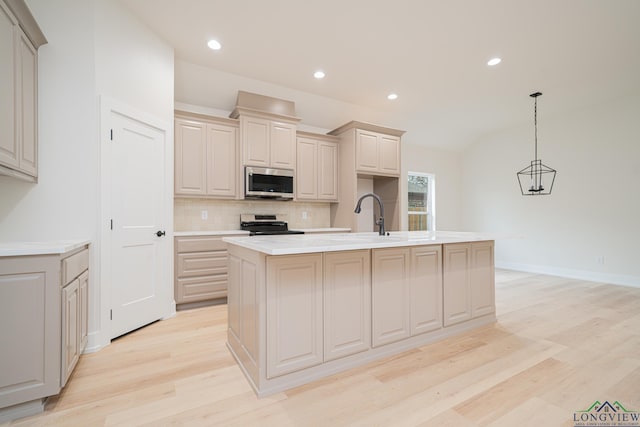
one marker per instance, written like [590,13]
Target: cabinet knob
[160,233]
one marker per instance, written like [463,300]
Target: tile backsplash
[225,214]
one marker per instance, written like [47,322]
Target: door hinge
[111,223]
[111,135]
[111,314]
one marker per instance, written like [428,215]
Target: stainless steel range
[262,225]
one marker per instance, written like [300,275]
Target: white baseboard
[591,276]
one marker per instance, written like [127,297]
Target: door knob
[160,233]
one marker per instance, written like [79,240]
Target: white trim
[431,199]
[591,276]
[102,336]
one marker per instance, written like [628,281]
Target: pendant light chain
[535,125]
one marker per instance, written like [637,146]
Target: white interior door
[140,253]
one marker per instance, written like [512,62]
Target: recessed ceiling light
[214,44]
[319,74]
[494,61]
[392,96]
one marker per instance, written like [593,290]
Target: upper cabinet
[267,131]
[317,167]
[206,156]
[20,38]
[369,161]
[377,153]
[268,143]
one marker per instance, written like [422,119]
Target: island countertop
[302,243]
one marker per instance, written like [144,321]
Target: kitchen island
[302,307]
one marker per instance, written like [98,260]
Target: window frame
[431,200]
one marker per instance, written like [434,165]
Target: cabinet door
[482,279]
[366,151]
[294,313]
[255,136]
[190,158]
[389,154]
[390,295]
[28,106]
[347,303]
[457,295]
[221,160]
[8,100]
[70,329]
[307,169]
[283,145]
[327,170]
[426,289]
[84,309]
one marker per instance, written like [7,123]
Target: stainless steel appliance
[268,183]
[261,225]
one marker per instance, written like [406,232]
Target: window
[421,197]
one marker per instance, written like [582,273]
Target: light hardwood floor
[558,346]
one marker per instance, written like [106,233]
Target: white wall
[63,203]
[95,48]
[446,166]
[594,208]
[133,65]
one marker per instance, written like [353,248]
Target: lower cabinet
[75,300]
[347,303]
[200,268]
[294,313]
[70,327]
[390,295]
[469,281]
[407,292]
[43,326]
[426,289]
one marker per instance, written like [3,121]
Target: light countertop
[55,247]
[308,243]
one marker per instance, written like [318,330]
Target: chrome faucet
[379,222]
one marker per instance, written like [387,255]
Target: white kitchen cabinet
[20,37]
[200,269]
[222,160]
[482,279]
[70,328]
[316,167]
[43,326]
[426,289]
[377,153]
[75,277]
[294,313]
[457,293]
[369,161]
[407,292]
[390,295]
[190,157]
[267,143]
[469,281]
[206,157]
[347,303]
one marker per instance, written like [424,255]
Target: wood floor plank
[558,345]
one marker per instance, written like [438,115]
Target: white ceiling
[432,53]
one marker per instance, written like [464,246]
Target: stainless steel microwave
[268,183]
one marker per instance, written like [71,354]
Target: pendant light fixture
[536,179]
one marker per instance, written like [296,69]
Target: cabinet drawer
[199,244]
[202,264]
[73,266]
[201,288]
